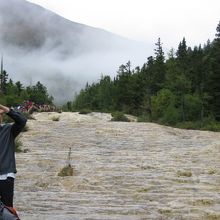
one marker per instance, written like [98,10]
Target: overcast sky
[145,20]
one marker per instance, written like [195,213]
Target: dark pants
[7,191]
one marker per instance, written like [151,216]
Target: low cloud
[63,55]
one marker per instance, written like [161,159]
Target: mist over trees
[14,94]
[39,45]
[182,88]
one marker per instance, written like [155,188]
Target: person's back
[8,133]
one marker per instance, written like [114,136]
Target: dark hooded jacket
[8,133]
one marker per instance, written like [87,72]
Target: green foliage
[143,118]
[39,94]
[3,81]
[209,123]
[163,107]
[171,115]
[85,111]
[161,101]
[218,31]
[214,79]
[66,171]
[119,116]
[13,94]
[67,107]
[212,127]
[2,99]
[56,118]
[192,125]
[193,105]
[182,90]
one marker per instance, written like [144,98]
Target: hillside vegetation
[182,90]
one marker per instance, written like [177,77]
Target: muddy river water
[123,171]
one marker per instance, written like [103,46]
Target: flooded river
[123,171]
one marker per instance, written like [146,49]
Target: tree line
[182,88]
[13,94]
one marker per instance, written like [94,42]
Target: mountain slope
[40,45]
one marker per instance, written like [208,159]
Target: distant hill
[40,45]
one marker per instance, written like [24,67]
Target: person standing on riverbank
[8,133]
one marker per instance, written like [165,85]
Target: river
[122,170]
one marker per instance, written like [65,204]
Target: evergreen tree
[3,81]
[122,86]
[105,92]
[182,52]
[185,87]
[183,75]
[149,89]
[218,31]
[159,67]
[39,94]
[19,87]
[11,88]
[214,85]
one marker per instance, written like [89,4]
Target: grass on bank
[66,171]
[207,124]
[85,111]
[119,116]
[55,118]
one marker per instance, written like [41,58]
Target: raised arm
[19,119]
[4,109]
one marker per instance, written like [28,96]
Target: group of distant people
[30,107]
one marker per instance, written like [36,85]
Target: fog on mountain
[39,45]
